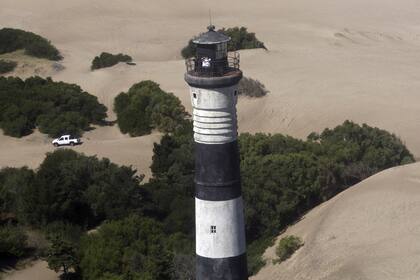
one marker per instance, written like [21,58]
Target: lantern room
[211,57]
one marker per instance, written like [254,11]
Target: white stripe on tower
[229,239]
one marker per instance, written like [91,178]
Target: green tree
[61,255]
[74,188]
[145,107]
[33,44]
[54,107]
[12,240]
[240,39]
[133,248]
[13,184]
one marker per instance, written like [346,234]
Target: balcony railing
[213,68]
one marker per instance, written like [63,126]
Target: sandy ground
[328,61]
[368,232]
[103,142]
[37,270]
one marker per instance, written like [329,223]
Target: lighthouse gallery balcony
[205,72]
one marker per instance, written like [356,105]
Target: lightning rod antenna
[210,17]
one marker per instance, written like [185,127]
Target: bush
[251,88]
[33,44]
[133,248]
[73,188]
[287,246]
[240,39]
[7,66]
[189,50]
[107,60]
[13,183]
[12,241]
[145,107]
[54,107]
[62,255]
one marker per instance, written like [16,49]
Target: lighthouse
[213,75]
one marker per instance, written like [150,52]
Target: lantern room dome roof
[211,37]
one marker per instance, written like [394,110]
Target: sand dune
[367,232]
[328,61]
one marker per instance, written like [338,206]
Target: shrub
[145,107]
[33,44]
[107,60]
[7,66]
[287,246]
[73,188]
[62,255]
[251,88]
[134,248]
[12,241]
[240,39]
[13,183]
[54,107]
[189,50]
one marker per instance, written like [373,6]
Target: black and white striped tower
[213,77]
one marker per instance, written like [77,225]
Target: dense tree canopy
[107,60]
[282,178]
[145,107]
[54,107]
[240,39]
[33,44]
[7,66]
[12,241]
[70,187]
[133,248]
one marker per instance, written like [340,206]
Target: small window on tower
[236,92]
[194,95]
[212,229]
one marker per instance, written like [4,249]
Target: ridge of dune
[369,231]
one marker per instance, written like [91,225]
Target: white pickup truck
[66,140]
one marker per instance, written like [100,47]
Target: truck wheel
[55,145]
[72,144]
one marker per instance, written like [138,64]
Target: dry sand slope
[38,270]
[369,232]
[328,60]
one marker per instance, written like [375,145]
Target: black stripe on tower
[217,171]
[217,269]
